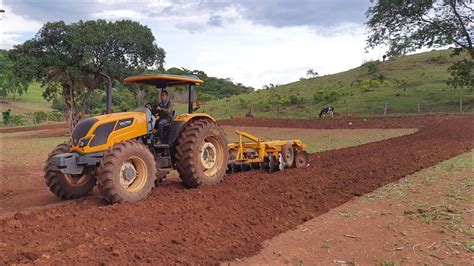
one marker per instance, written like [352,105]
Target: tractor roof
[164,80]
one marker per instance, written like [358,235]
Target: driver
[163,108]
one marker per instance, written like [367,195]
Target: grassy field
[407,82]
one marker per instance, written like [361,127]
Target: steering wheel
[149,106]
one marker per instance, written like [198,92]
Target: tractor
[119,151]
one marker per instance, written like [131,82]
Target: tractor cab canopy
[163,81]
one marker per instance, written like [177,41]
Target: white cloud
[117,14]
[232,47]
[13,26]
[258,55]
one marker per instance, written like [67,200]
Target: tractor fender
[178,125]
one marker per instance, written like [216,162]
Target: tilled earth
[230,220]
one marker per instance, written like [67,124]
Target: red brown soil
[342,122]
[229,220]
[33,128]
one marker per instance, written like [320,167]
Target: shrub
[372,67]
[7,116]
[58,104]
[243,103]
[39,117]
[55,116]
[18,120]
[325,96]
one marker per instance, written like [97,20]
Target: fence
[381,107]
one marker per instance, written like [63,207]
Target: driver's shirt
[166,109]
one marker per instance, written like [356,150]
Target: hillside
[402,83]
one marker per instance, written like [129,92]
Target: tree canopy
[213,88]
[76,59]
[406,25]
[9,81]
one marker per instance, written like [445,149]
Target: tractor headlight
[83,142]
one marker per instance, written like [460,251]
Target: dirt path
[227,221]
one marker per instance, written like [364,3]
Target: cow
[326,110]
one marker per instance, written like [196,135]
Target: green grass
[34,94]
[419,78]
[321,139]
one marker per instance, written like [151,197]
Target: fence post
[385,108]
[460,105]
[419,109]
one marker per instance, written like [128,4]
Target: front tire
[202,153]
[67,186]
[128,172]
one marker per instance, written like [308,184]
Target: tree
[311,73]
[406,25]
[9,82]
[76,59]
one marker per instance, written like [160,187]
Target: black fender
[177,126]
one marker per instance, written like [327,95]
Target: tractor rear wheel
[128,172]
[67,186]
[201,153]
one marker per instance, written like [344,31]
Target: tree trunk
[68,96]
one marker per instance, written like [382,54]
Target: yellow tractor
[119,151]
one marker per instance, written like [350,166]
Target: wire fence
[364,107]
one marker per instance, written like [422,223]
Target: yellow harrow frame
[255,153]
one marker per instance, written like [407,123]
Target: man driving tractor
[163,108]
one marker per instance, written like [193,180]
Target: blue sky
[252,42]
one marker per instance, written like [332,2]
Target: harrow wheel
[301,159]
[272,163]
[288,154]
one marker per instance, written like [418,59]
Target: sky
[253,42]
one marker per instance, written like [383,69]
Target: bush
[372,67]
[243,103]
[59,105]
[39,117]
[7,116]
[369,84]
[325,96]
[55,116]
[18,120]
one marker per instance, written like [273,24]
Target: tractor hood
[101,132]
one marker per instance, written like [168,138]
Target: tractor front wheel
[67,186]
[128,172]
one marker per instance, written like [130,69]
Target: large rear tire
[128,172]
[66,186]
[201,153]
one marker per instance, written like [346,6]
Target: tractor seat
[150,118]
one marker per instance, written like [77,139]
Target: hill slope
[402,83]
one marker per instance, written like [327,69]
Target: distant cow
[327,110]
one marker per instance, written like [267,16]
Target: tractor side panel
[111,129]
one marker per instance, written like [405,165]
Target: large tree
[407,25]
[9,81]
[76,59]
